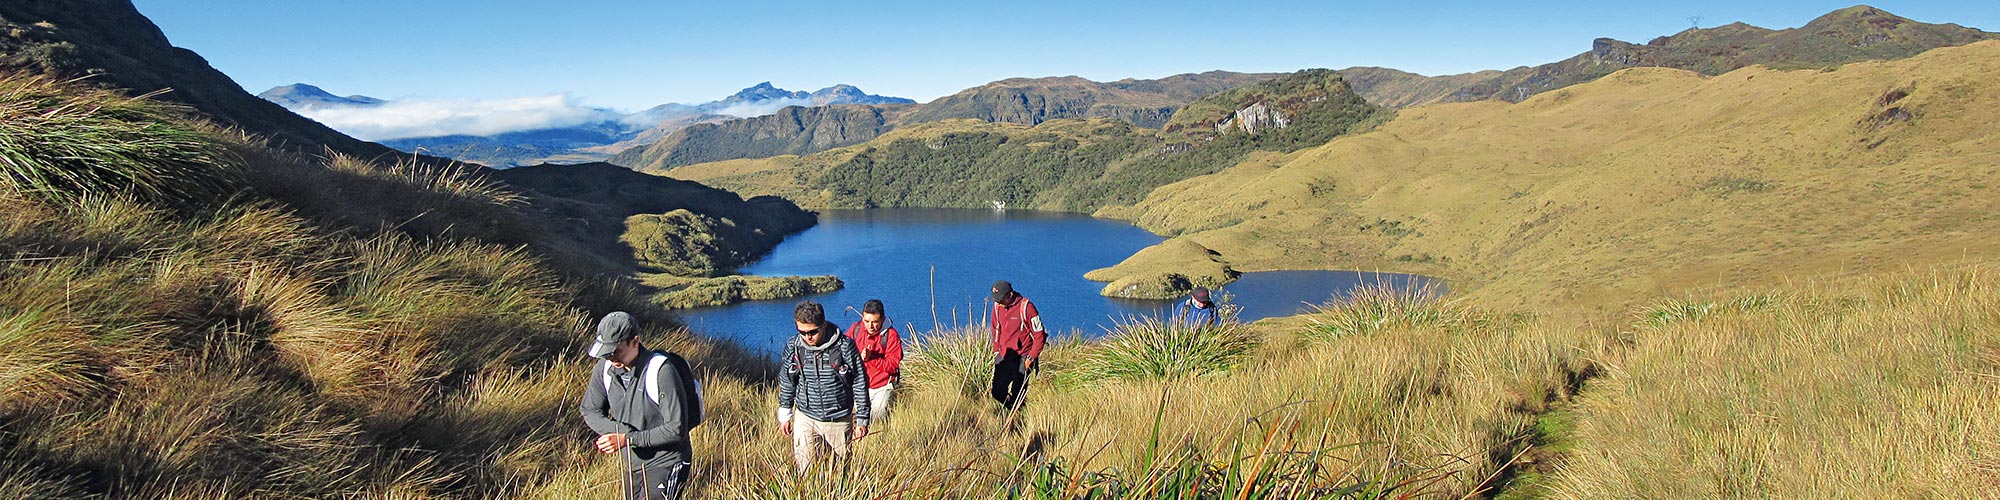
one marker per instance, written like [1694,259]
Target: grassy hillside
[1876,388]
[1853,34]
[1069,165]
[189,314]
[1646,182]
[282,340]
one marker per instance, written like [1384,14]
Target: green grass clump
[958,359]
[63,140]
[1148,347]
[1371,309]
[684,293]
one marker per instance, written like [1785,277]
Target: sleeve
[788,385]
[993,324]
[671,413]
[1036,335]
[859,384]
[892,352]
[596,406]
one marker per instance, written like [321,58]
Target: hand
[860,431]
[610,443]
[785,427]
[1027,365]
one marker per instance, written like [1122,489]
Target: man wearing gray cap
[637,402]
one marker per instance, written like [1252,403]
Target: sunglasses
[814,331]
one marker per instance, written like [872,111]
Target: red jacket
[881,355]
[1017,328]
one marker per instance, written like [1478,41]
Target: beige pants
[878,406]
[807,434]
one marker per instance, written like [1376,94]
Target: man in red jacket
[1017,341]
[881,357]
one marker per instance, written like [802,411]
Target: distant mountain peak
[763,92]
[299,96]
[1856,15]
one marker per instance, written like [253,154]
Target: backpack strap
[653,376]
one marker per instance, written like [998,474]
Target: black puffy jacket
[826,382]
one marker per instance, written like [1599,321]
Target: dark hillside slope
[109,41]
[794,130]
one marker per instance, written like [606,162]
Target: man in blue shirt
[1197,311]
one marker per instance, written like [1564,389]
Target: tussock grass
[1149,347]
[60,140]
[1371,309]
[1884,387]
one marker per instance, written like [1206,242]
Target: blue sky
[634,54]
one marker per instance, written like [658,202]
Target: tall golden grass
[327,328]
[1873,388]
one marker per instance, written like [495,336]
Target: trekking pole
[1020,398]
[624,476]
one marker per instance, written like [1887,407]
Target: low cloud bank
[409,118]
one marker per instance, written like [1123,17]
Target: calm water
[897,255]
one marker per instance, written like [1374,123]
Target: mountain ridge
[1026,101]
[586,142]
[1846,35]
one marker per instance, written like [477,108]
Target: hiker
[1197,311]
[1017,342]
[641,404]
[881,356]
[824,389]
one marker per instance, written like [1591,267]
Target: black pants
[1009,382]
[657,483]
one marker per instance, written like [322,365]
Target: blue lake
[945,260]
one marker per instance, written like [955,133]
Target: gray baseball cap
[614,329]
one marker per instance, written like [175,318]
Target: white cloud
[434,117]
[761,108]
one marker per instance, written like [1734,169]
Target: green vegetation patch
[684,293]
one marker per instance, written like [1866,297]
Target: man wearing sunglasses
[824,389]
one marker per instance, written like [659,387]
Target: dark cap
[1001,291]
[614,329]
[1200,294]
